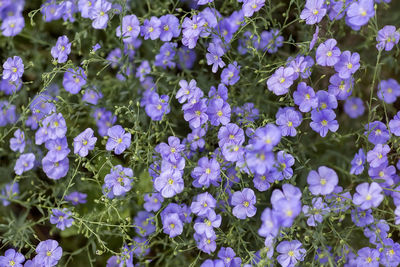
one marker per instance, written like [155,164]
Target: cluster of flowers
[48,254]
[241,149]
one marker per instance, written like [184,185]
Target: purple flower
[377,232]
[359,13]
[84,7]
[301,66]
[92,96]
[387,38]
[230,134]
[207,171]
[288,119]
[270,225]
[61,218]
[354,107]
[328,54]
[315,212]
[215,52]
[251,6]
[151,28]
[157,106]
[313,11]
[192,28]
[323,121]
[244,203]
[118,181]
[58,149]
[383,172]
[55,169]
[281,80]
[394,124]
[377,132]
[13,69]
[341,88]
[290,253]
[205,244]
[326,100]
[269,41]
[24,163]
[322,182]
[98,13]
[55,126]
[172,225]
[228,256]
[144,223]
[84,142]
[76,198]
[204,2]
[74,80]
[48,252]
[7,113]
[389,90]
[219,112]
[378,155]
[188,91]
[202,204]
[171,151]
[129,30]
[169,27]
[17,143]
[368,195]
[12,258]
[230,75]
[262,182]
[62,49]
[368,257]
[12,25]
[305,97]
[205,226]
[266,138]
[348,64]
[357,164]
[169,183]
[118,139]
[196,114]
[152,202]
[362,218]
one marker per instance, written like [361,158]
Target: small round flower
[118,139]
[359,13]
[129,30]
[62,49]
[354,107]
[251,6]
[368,257]
[24,163]
[13,69]
[151,28]
[153,202]
[74,80]
[313,11]
[328,54]
[12,258]
[323,121]
[322,182]
[230,75]
[172,225]
[378,155]
[12,25]
[48,252]
[389,90]
[368,195]
[207,172]
[281,80]
[99,14]
[288,119]
[61,218]
[290,253]
[17,143]
[244,203]
[305,97]
[377,132]
[118,181]
[203,203]
[84,142]
[357,164]
[76,198]
[169,183]
[55,169]
[387,38]
[348,64]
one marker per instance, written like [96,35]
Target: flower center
[102,13]
[170,181]
[289,124]
[329,54]
[369,259]
[198,113]
[381,174]
[208,171]
[205,205]
[324,122]
[282,80]
[84,142]
[323,181]
[219,113]
[14,70]
[194,26]
[378,132]
[368,197]
[315,12]
[323,106]
[254,6]
[246,203]
[151,29]
[291,253]
[231,136]
[48,253]
[389,90]
[166,28]
[129,28]
[308,96]
[289,213]
[119,140]
[172,226]
[349,66]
